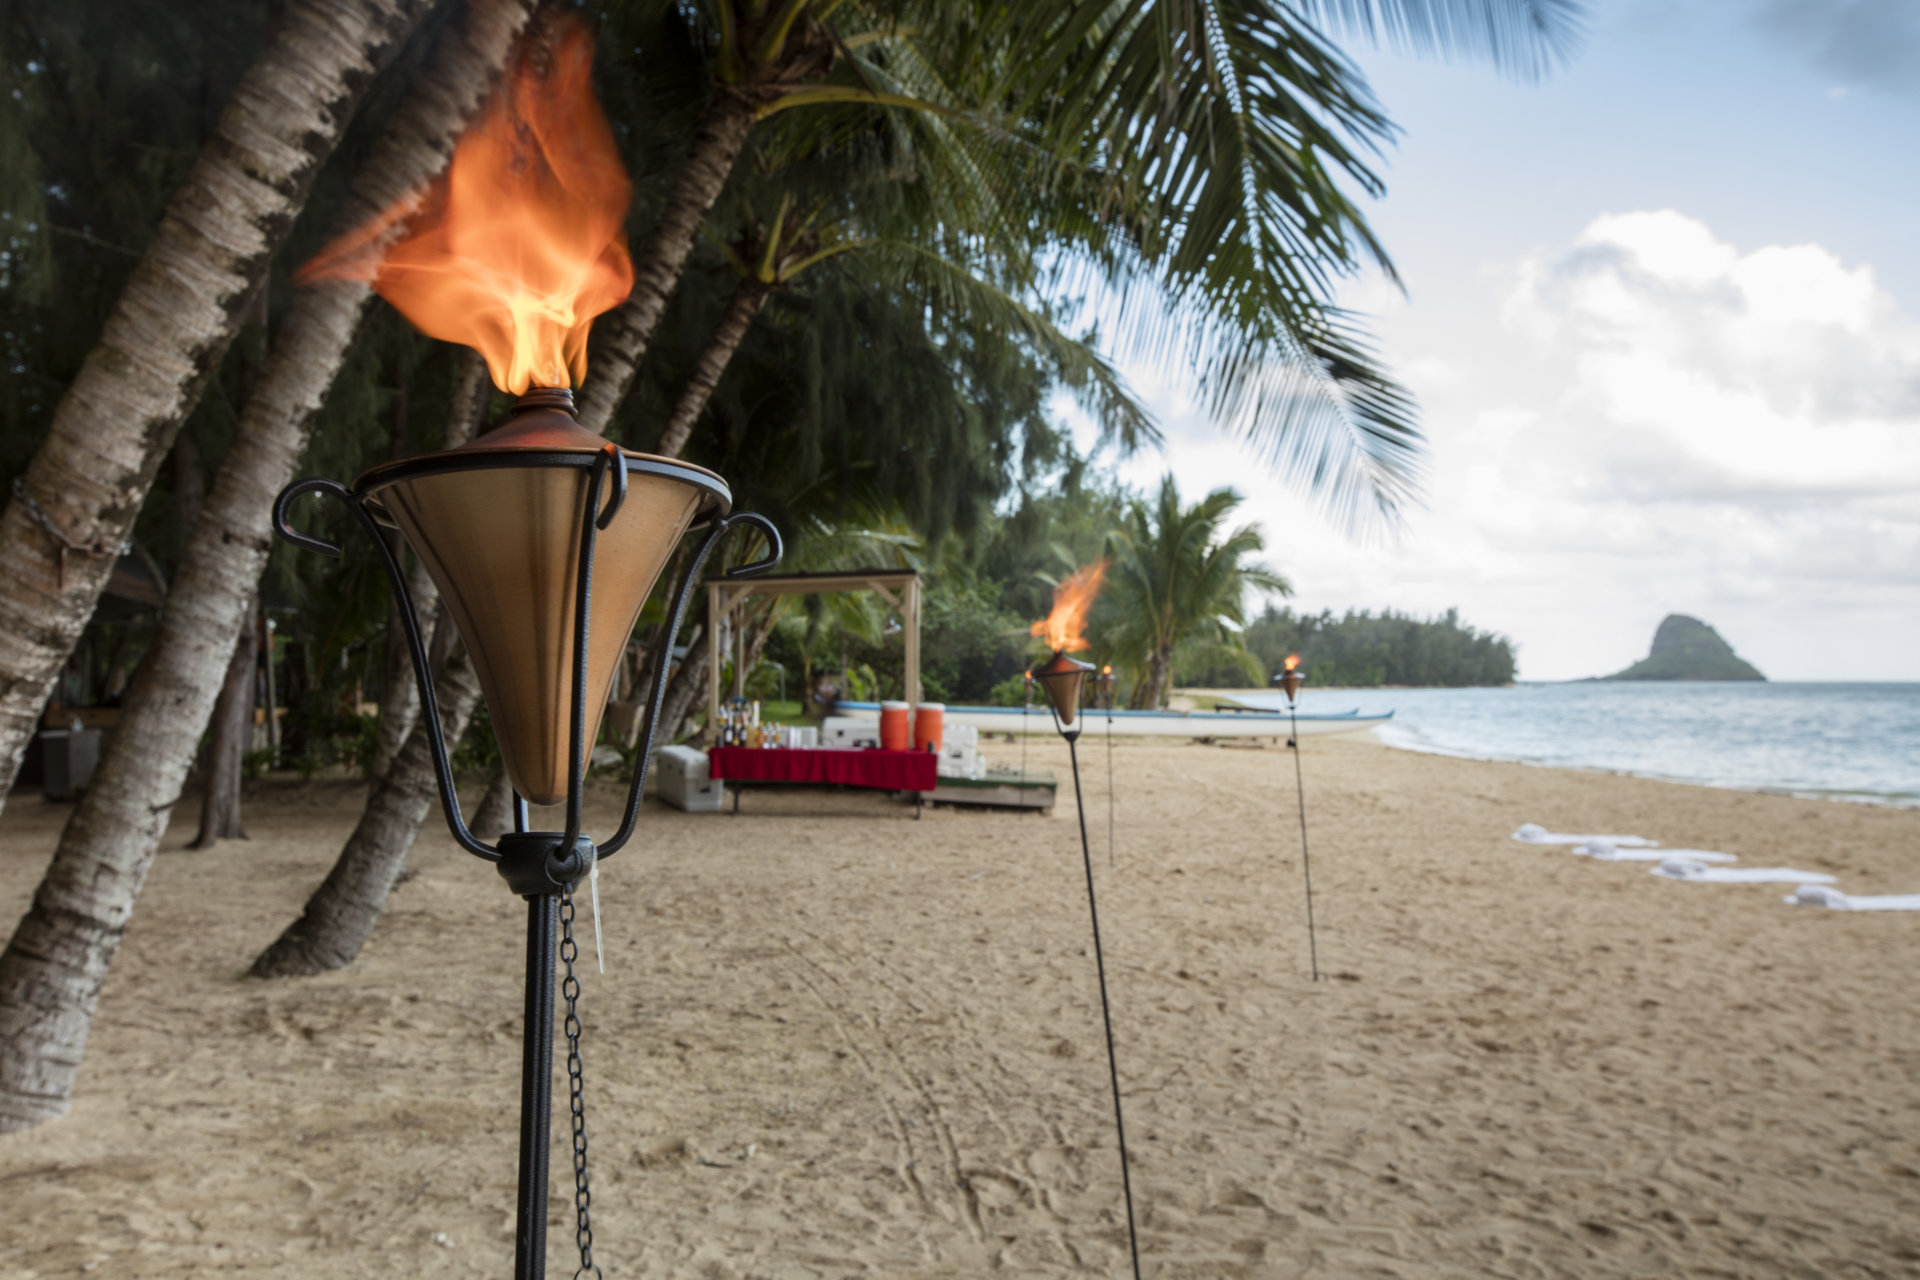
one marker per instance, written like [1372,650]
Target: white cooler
[685,782]
[850,731]
[960,752]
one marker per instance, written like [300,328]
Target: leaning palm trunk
[400,700]
[51,971]
[748,297]
[226,755]
[76,503]
[621,337]
[340,916]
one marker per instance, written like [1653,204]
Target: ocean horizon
[1835,740]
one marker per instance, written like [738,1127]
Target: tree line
[1361,649]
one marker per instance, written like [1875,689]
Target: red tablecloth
[883,770]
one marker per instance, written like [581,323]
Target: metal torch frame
[540,866]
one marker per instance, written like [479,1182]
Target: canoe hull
[1152,724]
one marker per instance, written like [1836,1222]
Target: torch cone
[494,520]
[1062,678]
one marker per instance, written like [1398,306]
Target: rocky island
[1688,649]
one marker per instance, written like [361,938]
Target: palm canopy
[1213,144]
[1193,161]
[1177,584]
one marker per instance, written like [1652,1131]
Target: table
[871,768]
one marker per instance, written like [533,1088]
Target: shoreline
[1734,737]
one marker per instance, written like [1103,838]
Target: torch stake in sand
[1061,678]
[1290,680]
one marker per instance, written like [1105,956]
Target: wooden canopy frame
[898,587]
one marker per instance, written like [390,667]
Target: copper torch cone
[497,524]
[1062,677]
[1291,682]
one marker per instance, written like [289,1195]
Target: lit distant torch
[1063,678]
[1290,679]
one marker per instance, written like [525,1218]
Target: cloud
[1864,42]
[1647,419]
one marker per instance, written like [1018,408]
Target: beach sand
[834,1041]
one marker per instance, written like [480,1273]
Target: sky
[1662,314]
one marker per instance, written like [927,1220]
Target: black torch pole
[536,1079]
[536,1090]
[1306,865]
[1106,1009]
[1109,777]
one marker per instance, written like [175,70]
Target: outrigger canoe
[1161,724]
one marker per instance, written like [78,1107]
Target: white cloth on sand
[1694,869]
[1534,833]
[1818,895]
[1606,851]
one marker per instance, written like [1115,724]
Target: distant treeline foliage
[1364,649]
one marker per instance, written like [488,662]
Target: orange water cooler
[929,726]
[893,726]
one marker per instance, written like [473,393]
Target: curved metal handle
[422,671]
[720,529]
[775,548]
[313,484]
[611,461]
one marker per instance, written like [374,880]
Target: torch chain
[570,989]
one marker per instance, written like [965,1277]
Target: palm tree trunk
[232,734]
[400,700]
[340,916]
[622,335]
[495,814]
[52,970]
[168,331]
[748,297]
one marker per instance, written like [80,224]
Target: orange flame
[1107,670]
[520,244]
[1072,600]
[1293,662]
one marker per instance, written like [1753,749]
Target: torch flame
[1293,662]
[1072,600]
[521,243]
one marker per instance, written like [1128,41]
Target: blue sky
[1662,312]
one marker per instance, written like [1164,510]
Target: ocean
[1837,741]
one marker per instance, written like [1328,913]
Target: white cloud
[1646,420]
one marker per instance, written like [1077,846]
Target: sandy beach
[833,1041]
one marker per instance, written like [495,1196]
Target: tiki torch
[543,538]
[1062,678]
[1290,679]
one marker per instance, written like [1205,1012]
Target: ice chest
[685,782]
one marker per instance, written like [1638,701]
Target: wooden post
[713,654]
[912,621]
[273,715]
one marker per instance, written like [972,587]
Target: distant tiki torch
[1290,680]
[1063,678]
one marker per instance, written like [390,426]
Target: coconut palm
[71,511]
[63,947]
[1212,143]
[1177,584]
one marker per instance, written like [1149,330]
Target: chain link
[570,989]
